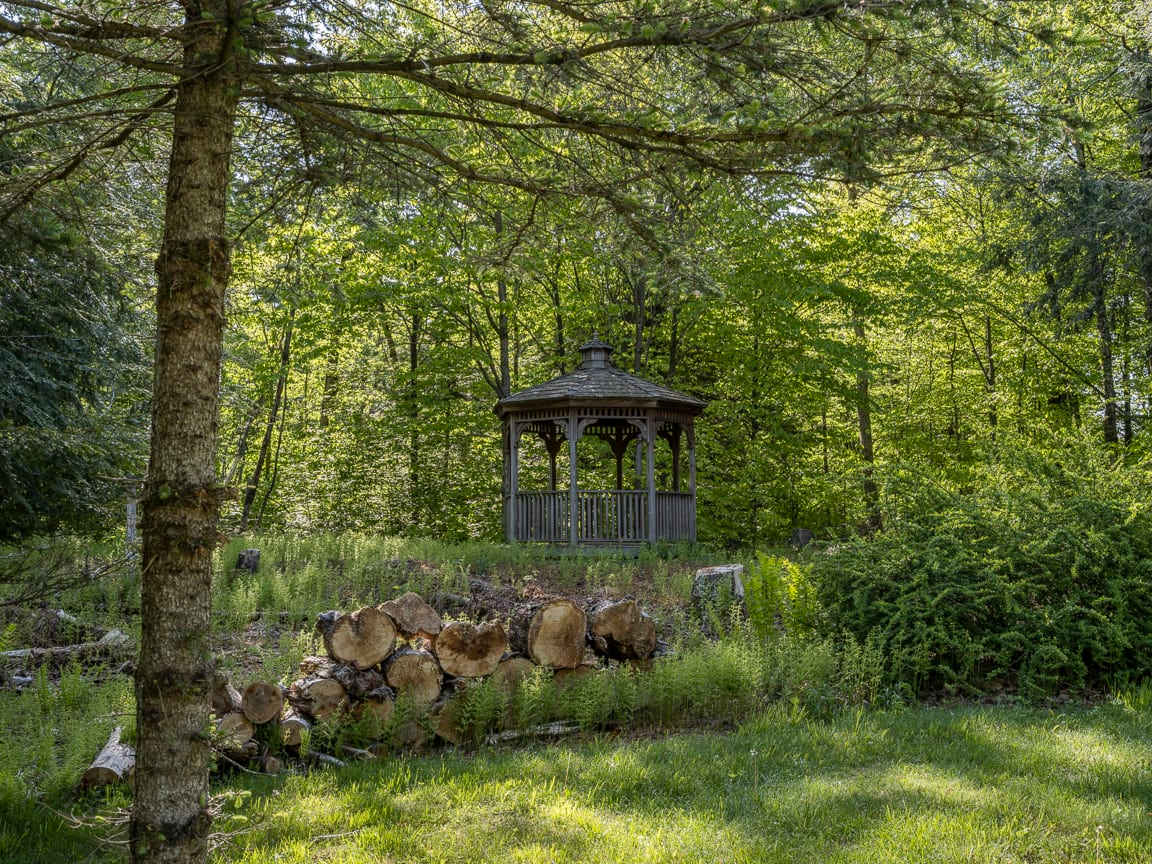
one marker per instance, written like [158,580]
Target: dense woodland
[280,259]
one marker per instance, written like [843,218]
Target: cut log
[225,697]
[551,633]
[469,651]
[443,716]
[113,764]
[512,670]
[377,704]
[317,698]
[233,731]
[271,764]
[362,638]
[619,630]
[414,675]
[262,702]
[356,682]
[293,726]
[112,645]
[568,677]
[414,618]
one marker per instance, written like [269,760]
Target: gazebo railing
[603,516]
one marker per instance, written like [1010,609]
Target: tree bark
[174,676]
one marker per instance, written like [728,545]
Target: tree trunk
[266,443]
[864,421]
[1104,336]
[174,676]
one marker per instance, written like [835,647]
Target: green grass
[918,785]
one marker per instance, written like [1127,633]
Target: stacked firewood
[402,649]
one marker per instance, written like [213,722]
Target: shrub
[1038,577]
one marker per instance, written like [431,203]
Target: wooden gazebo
[619,409]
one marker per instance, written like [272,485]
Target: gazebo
[620,409]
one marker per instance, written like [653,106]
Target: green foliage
[779,596]
[72,378]
[1035,577]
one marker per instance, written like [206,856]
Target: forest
[267,268]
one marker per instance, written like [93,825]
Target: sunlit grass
[918,785]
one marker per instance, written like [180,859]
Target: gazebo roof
[597,380]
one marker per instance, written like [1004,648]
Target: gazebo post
[692,480]
[573,431]
[650,434]
[513,477]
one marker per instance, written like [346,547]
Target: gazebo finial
[594,354]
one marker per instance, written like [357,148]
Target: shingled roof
[597,380]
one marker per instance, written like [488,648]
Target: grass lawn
[939,785]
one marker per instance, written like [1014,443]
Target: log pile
[401,652]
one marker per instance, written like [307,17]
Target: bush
[1036,578]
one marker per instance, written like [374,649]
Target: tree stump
[363,638]
[262,702]
[469,651]
[248,559]
[113,764]
[414,618]
[414,675]
[713,587]
[551,633]
[620,631]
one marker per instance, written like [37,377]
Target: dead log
[112,645]
[619,630]
[512,670]
[113,764]
[262,702]
[271,764]
[551,633]
[414,675]
[414,618]
[362,638]
[293,726]
[225,697]
[470,651]
[568,677]
[234,731]
[317,697]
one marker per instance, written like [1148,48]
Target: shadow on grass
[935,785]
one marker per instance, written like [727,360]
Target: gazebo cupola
[623,411]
